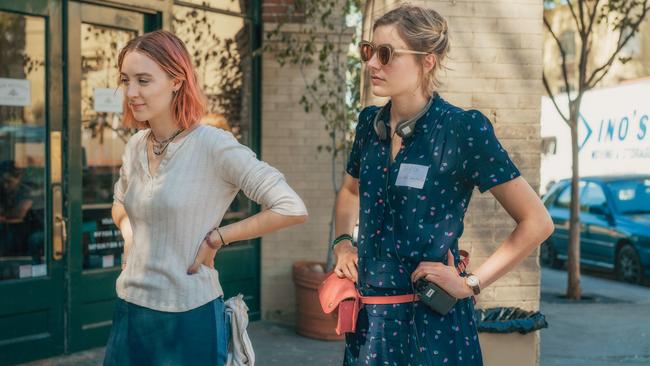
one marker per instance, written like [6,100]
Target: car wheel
[628,265]
[548,256]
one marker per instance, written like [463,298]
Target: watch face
[472,281]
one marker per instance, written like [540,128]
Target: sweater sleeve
[258,180]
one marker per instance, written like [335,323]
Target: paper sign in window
[108,100]
[15,92]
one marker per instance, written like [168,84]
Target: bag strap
[464,261]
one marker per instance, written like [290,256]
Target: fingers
[346,272]
[339,272]
[427,268]
[200,257]
[352,269]
[421,271]
[194,267]
[209,259]
[348,269]
[414,275]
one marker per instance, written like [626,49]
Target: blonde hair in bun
[422,29]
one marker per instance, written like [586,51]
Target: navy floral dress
[412,210]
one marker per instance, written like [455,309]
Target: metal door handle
[60,227]
[64,227]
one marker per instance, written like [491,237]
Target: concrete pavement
[610,329]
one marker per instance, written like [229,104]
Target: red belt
[385,300]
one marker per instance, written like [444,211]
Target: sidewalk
[611,329]
[274,345]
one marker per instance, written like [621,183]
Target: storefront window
[103,140]
[22,146]
[219,46]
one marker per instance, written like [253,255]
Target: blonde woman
[412,170]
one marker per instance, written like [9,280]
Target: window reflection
[215,42]
[22,146]
[103,140]
[219,47]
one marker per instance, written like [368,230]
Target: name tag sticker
[412,175]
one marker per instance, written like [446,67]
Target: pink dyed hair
[170,53]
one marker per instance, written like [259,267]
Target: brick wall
[275,11]
[289,142]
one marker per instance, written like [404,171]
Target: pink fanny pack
[341,293]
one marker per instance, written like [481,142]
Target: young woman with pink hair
[177,181]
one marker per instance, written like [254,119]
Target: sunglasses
[385,52]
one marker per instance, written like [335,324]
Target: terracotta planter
[311,321]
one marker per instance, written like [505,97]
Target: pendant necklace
[159,147]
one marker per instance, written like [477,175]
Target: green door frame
[31,310]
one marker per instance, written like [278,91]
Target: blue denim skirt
[142,336]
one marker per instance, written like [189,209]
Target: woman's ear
[177,85]
[429,62]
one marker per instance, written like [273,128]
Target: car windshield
[631,196]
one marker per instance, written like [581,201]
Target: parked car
[614,225]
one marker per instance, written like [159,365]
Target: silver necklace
[159,147]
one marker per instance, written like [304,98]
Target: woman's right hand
[347,258]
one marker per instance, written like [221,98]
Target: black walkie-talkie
[434,297]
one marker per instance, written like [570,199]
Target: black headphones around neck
[404,129]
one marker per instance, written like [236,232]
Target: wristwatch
[474,283]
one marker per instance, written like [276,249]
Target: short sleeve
[364,124]
[258,180]
[485,163]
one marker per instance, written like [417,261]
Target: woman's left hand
[205,256]
[445,276]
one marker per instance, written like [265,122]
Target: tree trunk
[573,264]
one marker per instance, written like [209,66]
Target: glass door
[96,34]
[32,228]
